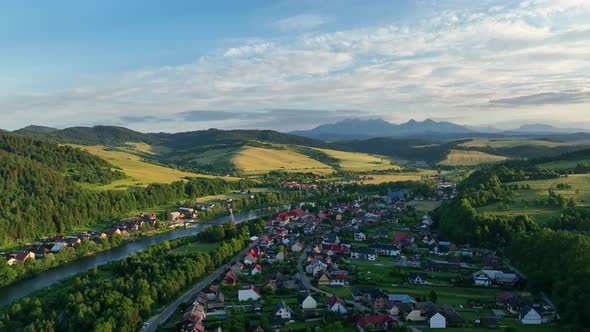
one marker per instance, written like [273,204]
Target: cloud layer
[506,61]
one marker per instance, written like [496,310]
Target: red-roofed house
[379,322]
[297,214]
[256,269]
[338,249]
[403,238]
[337,305]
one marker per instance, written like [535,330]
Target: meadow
[353,161]
[424,206]
[469,158]
[255,160]
[515,141]
[139,173]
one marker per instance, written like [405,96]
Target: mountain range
[351,129]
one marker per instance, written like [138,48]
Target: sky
[293,64]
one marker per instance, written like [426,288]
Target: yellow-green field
[353,161]
[512,142]
[252,159]
[232,195]
[469,158]
[565,163]
[524,199]
[381,178]
[139,173]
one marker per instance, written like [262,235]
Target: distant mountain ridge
[539,128]
[363,129]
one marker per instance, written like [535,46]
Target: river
[23,288]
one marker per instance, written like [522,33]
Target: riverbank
[24,287]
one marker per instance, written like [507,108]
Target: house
[419,278]
[337,305]
[59,246]
[249,293]
[403,238]
[385,249]
[280,256]
[401,298]
[282,314]
[336,249]
[359,236]
[249,259]
[338,278]
[297,247]
[380,301]
[378,322]
[437,321]
[203,207]
[113,231]
[421,311]
[324,279]
[363,253]
[330,239]
[265,243]
[307,301]
[23,256]
[230,278]
[364,294]
[530,316]
[494,277]
[256,270]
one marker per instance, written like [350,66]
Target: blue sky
[286,64]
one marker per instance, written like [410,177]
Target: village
[373,264]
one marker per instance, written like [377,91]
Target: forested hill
[39,195]
[99,135]
[79,165]
[113,136]
[537,249]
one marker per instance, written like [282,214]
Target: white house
[249,293]
[283,312]
[297,247]
[337,305]
[307,301]
[57,246]
[437,321]
[360,236]
[256,269]
[530,316]
[249,259]
[280,257]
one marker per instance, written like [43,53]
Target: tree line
[120,295]
[554,261]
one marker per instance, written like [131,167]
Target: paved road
[152,324]
[305,280]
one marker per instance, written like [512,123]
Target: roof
[403,298]
[282,305]
[335,299]
[375,320]
[302,297]
[298,212]
[414,275]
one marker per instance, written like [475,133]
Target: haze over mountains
[362,129]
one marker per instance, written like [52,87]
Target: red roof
[335,299]
[336,248]
[376,320]
[402,237]
[340,275]
[298,213]
[258,267]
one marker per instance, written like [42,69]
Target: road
[305,280]
[152,324]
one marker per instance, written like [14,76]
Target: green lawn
[424,206]
[195,247]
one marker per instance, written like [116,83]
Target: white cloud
[300,22]
[450,65]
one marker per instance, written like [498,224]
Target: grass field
[515,141]
[195,247]
[424,206]
[254,160]
[524,199]
[413,176]
[232,195]
[353,161]
[469,158]
[565,163]
[139,173]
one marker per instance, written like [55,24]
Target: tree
[433,296]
